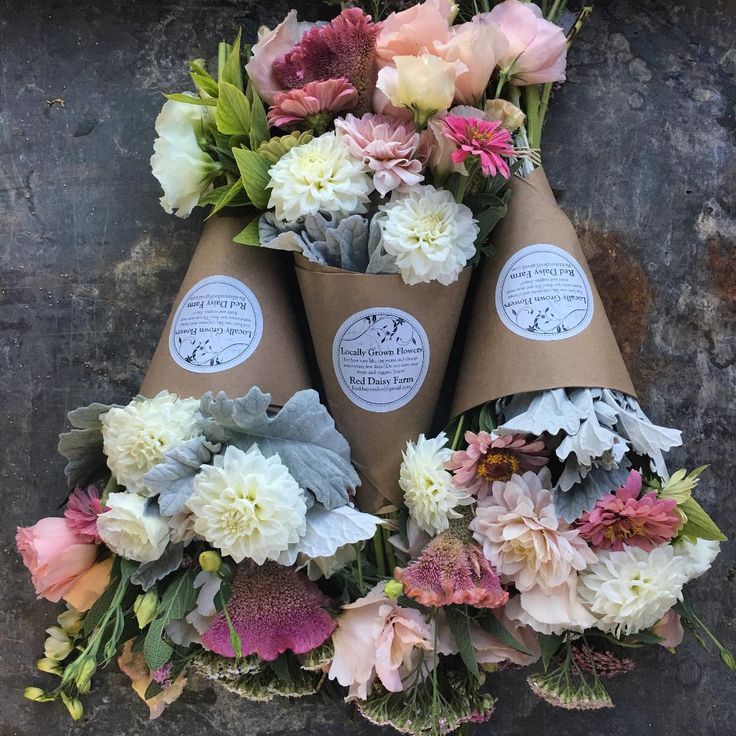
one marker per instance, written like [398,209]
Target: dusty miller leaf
[149,573]
[582,496]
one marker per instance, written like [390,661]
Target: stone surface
[640,147]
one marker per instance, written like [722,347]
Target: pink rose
[55,555]
[537,48]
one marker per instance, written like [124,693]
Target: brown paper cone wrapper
[237,328]
[410,330]
[514,343]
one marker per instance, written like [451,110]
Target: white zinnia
[136,436]
[248,505]
[429,493]
[696,557]
[132,528]
[431,236]
[319,176]
[178,162]
[630,590]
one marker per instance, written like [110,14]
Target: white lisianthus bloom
[630,590]
[136,436]
[132,528]
[431,236]
[429,492]
[696,557]
[178,162]
[319,176]
[247,505]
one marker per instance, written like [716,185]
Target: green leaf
[258,120]
[549,644]
[232,72]
[680,485]
[177,601]
[460,627]
[495,628]
[209,101]
[249,235]
[232,114]
[254,172]
[235,196]
[202,79]
[699,524]
[486,419]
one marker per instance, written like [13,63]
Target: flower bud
[145,608]
[393,589]
[511,117]
[87,667]
[48,665]
[73,705]
[58,646]
[34,693]
[71,621]
[728,659]
[210,561]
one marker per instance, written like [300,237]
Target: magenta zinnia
[623,519]
[452,570]
[314,104]
[488,459]
[273,609]
[487,140]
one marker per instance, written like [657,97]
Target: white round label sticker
[217,326]
[381,357]
[543,293]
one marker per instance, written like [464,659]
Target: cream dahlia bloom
[697,556]
[248,505]
[132,528]
[429,493]
[431,236]
[630,590]
[524,539]
[319,176]
[178,162]
[136,436]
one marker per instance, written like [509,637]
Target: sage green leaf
[254,172]
[258,120]
[232,72]
[232,198]
[208,101]
[460,627]
[549,644]
[232,114]
[249,235]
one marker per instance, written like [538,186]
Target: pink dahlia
[488,459]
[623,519]
[313,104]
[452,569]
[82,509]
[273,608]
[388,147]
[488,140]
[345,47]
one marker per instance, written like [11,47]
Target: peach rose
[89,586]
[55,555]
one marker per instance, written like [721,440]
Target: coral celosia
[489,458]
[82,508]
[622,518]
[273,609]
[489,141]
[314,104]
[453,570]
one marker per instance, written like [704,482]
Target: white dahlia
[132,528]
[696,557]
[136,436]
[630,590]
[431,236]
[248,505]
[319,176]
[429,492]
[524,539]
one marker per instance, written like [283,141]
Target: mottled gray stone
[640,147]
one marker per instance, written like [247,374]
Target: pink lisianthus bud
[669,630]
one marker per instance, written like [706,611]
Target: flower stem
[503,77]
[531,94]
[458,432]
[554,10]
[462,185]
[390,556]
[378,551]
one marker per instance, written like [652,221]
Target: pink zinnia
[313,104]
[488,459]
[388,146]
[488,140]
[622,518]
[82,509]
[345,47]
[273,608]
[453,570]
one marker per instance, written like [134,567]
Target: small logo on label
[217,326]
[381,357]
[543,293]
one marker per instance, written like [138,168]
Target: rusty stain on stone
[722,265]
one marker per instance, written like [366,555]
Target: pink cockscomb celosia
[489,458]
[82,509]
[273,609]
[623,519]
[314,104]
[344,47]
[453,570]
[389,148]
[489,141]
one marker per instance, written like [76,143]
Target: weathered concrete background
[640,146]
